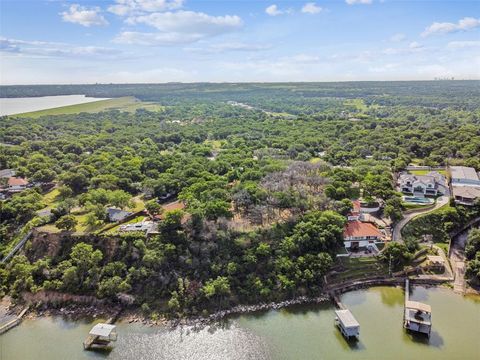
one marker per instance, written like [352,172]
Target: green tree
[66,222]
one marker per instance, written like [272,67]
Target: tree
[153,207]
[473,244]
[217,287]
[66,222]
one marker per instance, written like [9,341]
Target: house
[149,227]
[466,195]
[359,234]
[464,176]
[356,213]
[15,184]
[7,173]
[116,215]
[432,184]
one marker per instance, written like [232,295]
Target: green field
[425,172]
[127,103]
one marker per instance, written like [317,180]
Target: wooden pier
[417,316]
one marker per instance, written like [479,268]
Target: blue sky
[55,41]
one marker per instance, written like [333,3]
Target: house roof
[466,192]
[347,318]
[102,330]
[415,179]
[16,181]
[6,173]
[115,214]
[463,172]
[361,229]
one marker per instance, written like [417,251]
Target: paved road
[397,231]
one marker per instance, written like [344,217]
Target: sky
[155,41]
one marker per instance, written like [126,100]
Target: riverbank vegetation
[266,188]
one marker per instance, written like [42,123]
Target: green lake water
[301,332]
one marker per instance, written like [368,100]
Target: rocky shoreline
[81,311]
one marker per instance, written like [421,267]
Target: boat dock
[417,315]
[344,319]
[102,334]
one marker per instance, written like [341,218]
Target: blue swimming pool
[417,200]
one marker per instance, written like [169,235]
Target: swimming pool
[417,200]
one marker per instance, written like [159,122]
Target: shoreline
[75,312]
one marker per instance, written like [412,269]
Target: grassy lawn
[356,268]
[358,104]
[425,172]
[127,103]
[50,199]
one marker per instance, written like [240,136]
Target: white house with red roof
[358,234]
[16,184]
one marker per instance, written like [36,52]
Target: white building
[464,176]
[432,184]
[359,234]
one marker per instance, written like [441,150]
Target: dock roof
[418,306]
[102,330]
[346,318]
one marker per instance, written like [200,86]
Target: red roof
[361,229]
[14,181]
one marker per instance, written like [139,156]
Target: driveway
[397,231]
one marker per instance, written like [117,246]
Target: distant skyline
[137,41]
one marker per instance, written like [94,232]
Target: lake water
[302,332]
[12,106]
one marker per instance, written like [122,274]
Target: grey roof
[466,192]
[115,214]
[346,318]
[463,172]
[424,179]
[7,173]
[418,306]
[102,330]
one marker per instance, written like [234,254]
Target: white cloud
[229,46]
[84,16]
[398,37]
[413,47]
[155,39]
[180,27]
[354,2]
[467,23]
[189,22]
[311,8]
[53,49]
[131,7]
[463,44]
[273,10]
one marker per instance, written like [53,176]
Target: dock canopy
[103,330]
[415,305]
[346,318]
